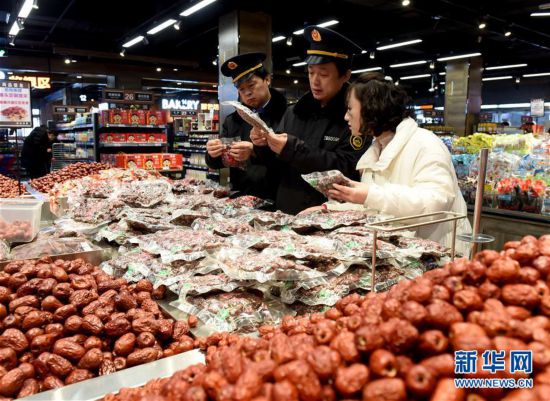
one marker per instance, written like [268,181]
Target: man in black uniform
[252,82]
[314,135]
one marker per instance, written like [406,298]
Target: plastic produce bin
[20,219]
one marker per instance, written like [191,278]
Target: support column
[463,95]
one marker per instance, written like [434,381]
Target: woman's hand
[357,192]
[258,137]
[214,147]
[277,142]
[311,210]
[241,151]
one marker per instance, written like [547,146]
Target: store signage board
[70,109]
[537,107]
[15,104]
[128,97]
[37,82]
[182,113]
[486,117]
[179,104]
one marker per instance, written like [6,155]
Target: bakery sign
[37,82]
[15,104]
[179,104]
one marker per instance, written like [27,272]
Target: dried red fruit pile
[393,346]
[64,322]
[72,171]
[8,187]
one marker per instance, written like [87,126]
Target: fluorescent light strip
[394,45]
[416,76]
[459,57]
[322,25]
[442,83]
[502,67]
[132,42]
[26,9]
[409,63]
[541,74]
[278,39]
[196,7]
[162,26]
[14,30]
[366,70]
[497,78]
[442,73]
[510,105]
[439,108]
[540,14]
[300,64]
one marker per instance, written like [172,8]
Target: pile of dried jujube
[70,172]
[393,346]
[64,322]
[8,187]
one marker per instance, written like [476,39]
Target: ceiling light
[288,71]
[442,83]
[278,39]
[507,33]
[416,76]
[289,41]
[73,60]
[502,67]
[432,65]
[407,64]
[295,81]
[405,3]
[442,73]
[518,79]
[67,61]
[399,44]
[122,52]
[459,56]
[12,40]
[397,83]
[134,41]
[26,9]
[159,69]
[35,4]
[79,77]
[431,89]
[175,70]
[497,78]
[145,41]
[541,74]
[363,52]
[300,64]
[214,62]
[14,30]
[540,14]
[177,25]
[161,26]
[482,25]
[10,72]
[372,55]
[322,25]
[200,5]
[179,83]
[366,70]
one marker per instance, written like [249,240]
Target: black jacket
[318,140]
[35,156]
[258,179]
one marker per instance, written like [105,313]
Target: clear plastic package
[19,219]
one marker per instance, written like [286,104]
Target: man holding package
[252,82]
[314,135]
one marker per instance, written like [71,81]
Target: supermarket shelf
[171,171]
[75,127]
[203,131]
[131,126]
[195,167]
[131,145]
[189,150]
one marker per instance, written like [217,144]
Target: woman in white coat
[407,170]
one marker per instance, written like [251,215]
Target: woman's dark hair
[383,104]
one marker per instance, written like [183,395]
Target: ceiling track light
[177,25]
[67,61]
[432,65]
[122,52]
[482,25]
[289,41]
[372,55]
[35,4]
[145,41]
[12,40]
[406,3]
[507,33]
[518,80]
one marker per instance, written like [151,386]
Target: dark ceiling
[445,27]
